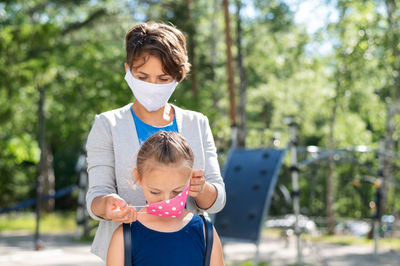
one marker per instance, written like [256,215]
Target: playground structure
[240,219]
[248,199]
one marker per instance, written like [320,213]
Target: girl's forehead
[152,164]
[173,169]
[172,174]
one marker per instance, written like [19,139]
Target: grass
[249,263]
[49,223]
[392,243]
[272,232]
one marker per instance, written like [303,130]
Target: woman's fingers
[126,215]
[130,214]
[197,182]
[120,211]
[197,173]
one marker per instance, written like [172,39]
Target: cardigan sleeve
[101,164]
[212,171]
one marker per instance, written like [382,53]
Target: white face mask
[151,96]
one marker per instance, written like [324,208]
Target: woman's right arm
[116,254]
[102,201]
[113,207]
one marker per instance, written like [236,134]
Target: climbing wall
[250,177]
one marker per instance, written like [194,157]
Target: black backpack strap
[209,232]
[127,244]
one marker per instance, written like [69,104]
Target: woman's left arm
[207,187]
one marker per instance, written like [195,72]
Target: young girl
[165,233]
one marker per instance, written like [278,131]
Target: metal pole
[81,212]
[295,184]
[257,254]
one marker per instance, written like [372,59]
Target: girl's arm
[217,255]
[116,254]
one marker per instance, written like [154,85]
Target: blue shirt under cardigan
[145,131]
[183,247]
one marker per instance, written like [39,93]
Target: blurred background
[332,67]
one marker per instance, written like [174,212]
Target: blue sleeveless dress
[183,247]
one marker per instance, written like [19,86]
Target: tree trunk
[46,183]
[191,32]
[394,38]
[241,138]
[392,105]
[330,184]
[39,185]
[229,65]
[213,50]
[48,179]
[314,179]
[387,160]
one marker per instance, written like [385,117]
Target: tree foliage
[75,50]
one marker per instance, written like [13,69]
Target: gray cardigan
[112,147]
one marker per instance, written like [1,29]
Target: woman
[156,61]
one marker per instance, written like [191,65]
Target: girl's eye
[142,78]
[154,193]
[177,192]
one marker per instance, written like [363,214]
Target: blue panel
[250,177]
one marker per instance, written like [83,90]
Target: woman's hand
[113,207]
[204,193]
[197,183]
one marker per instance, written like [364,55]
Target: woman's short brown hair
[161,40]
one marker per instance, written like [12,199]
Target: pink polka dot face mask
[169,208]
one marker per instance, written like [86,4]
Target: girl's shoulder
[119,231]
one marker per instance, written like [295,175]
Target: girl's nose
[166,196]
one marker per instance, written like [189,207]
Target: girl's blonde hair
[163,148]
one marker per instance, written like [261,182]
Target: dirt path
[60,250]
[275,251]
[16,248]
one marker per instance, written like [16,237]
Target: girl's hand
[117,210]
[197,183]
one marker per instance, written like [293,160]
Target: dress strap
[127,244]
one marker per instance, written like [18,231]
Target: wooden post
[228,42]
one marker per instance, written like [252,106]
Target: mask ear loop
[139,206]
